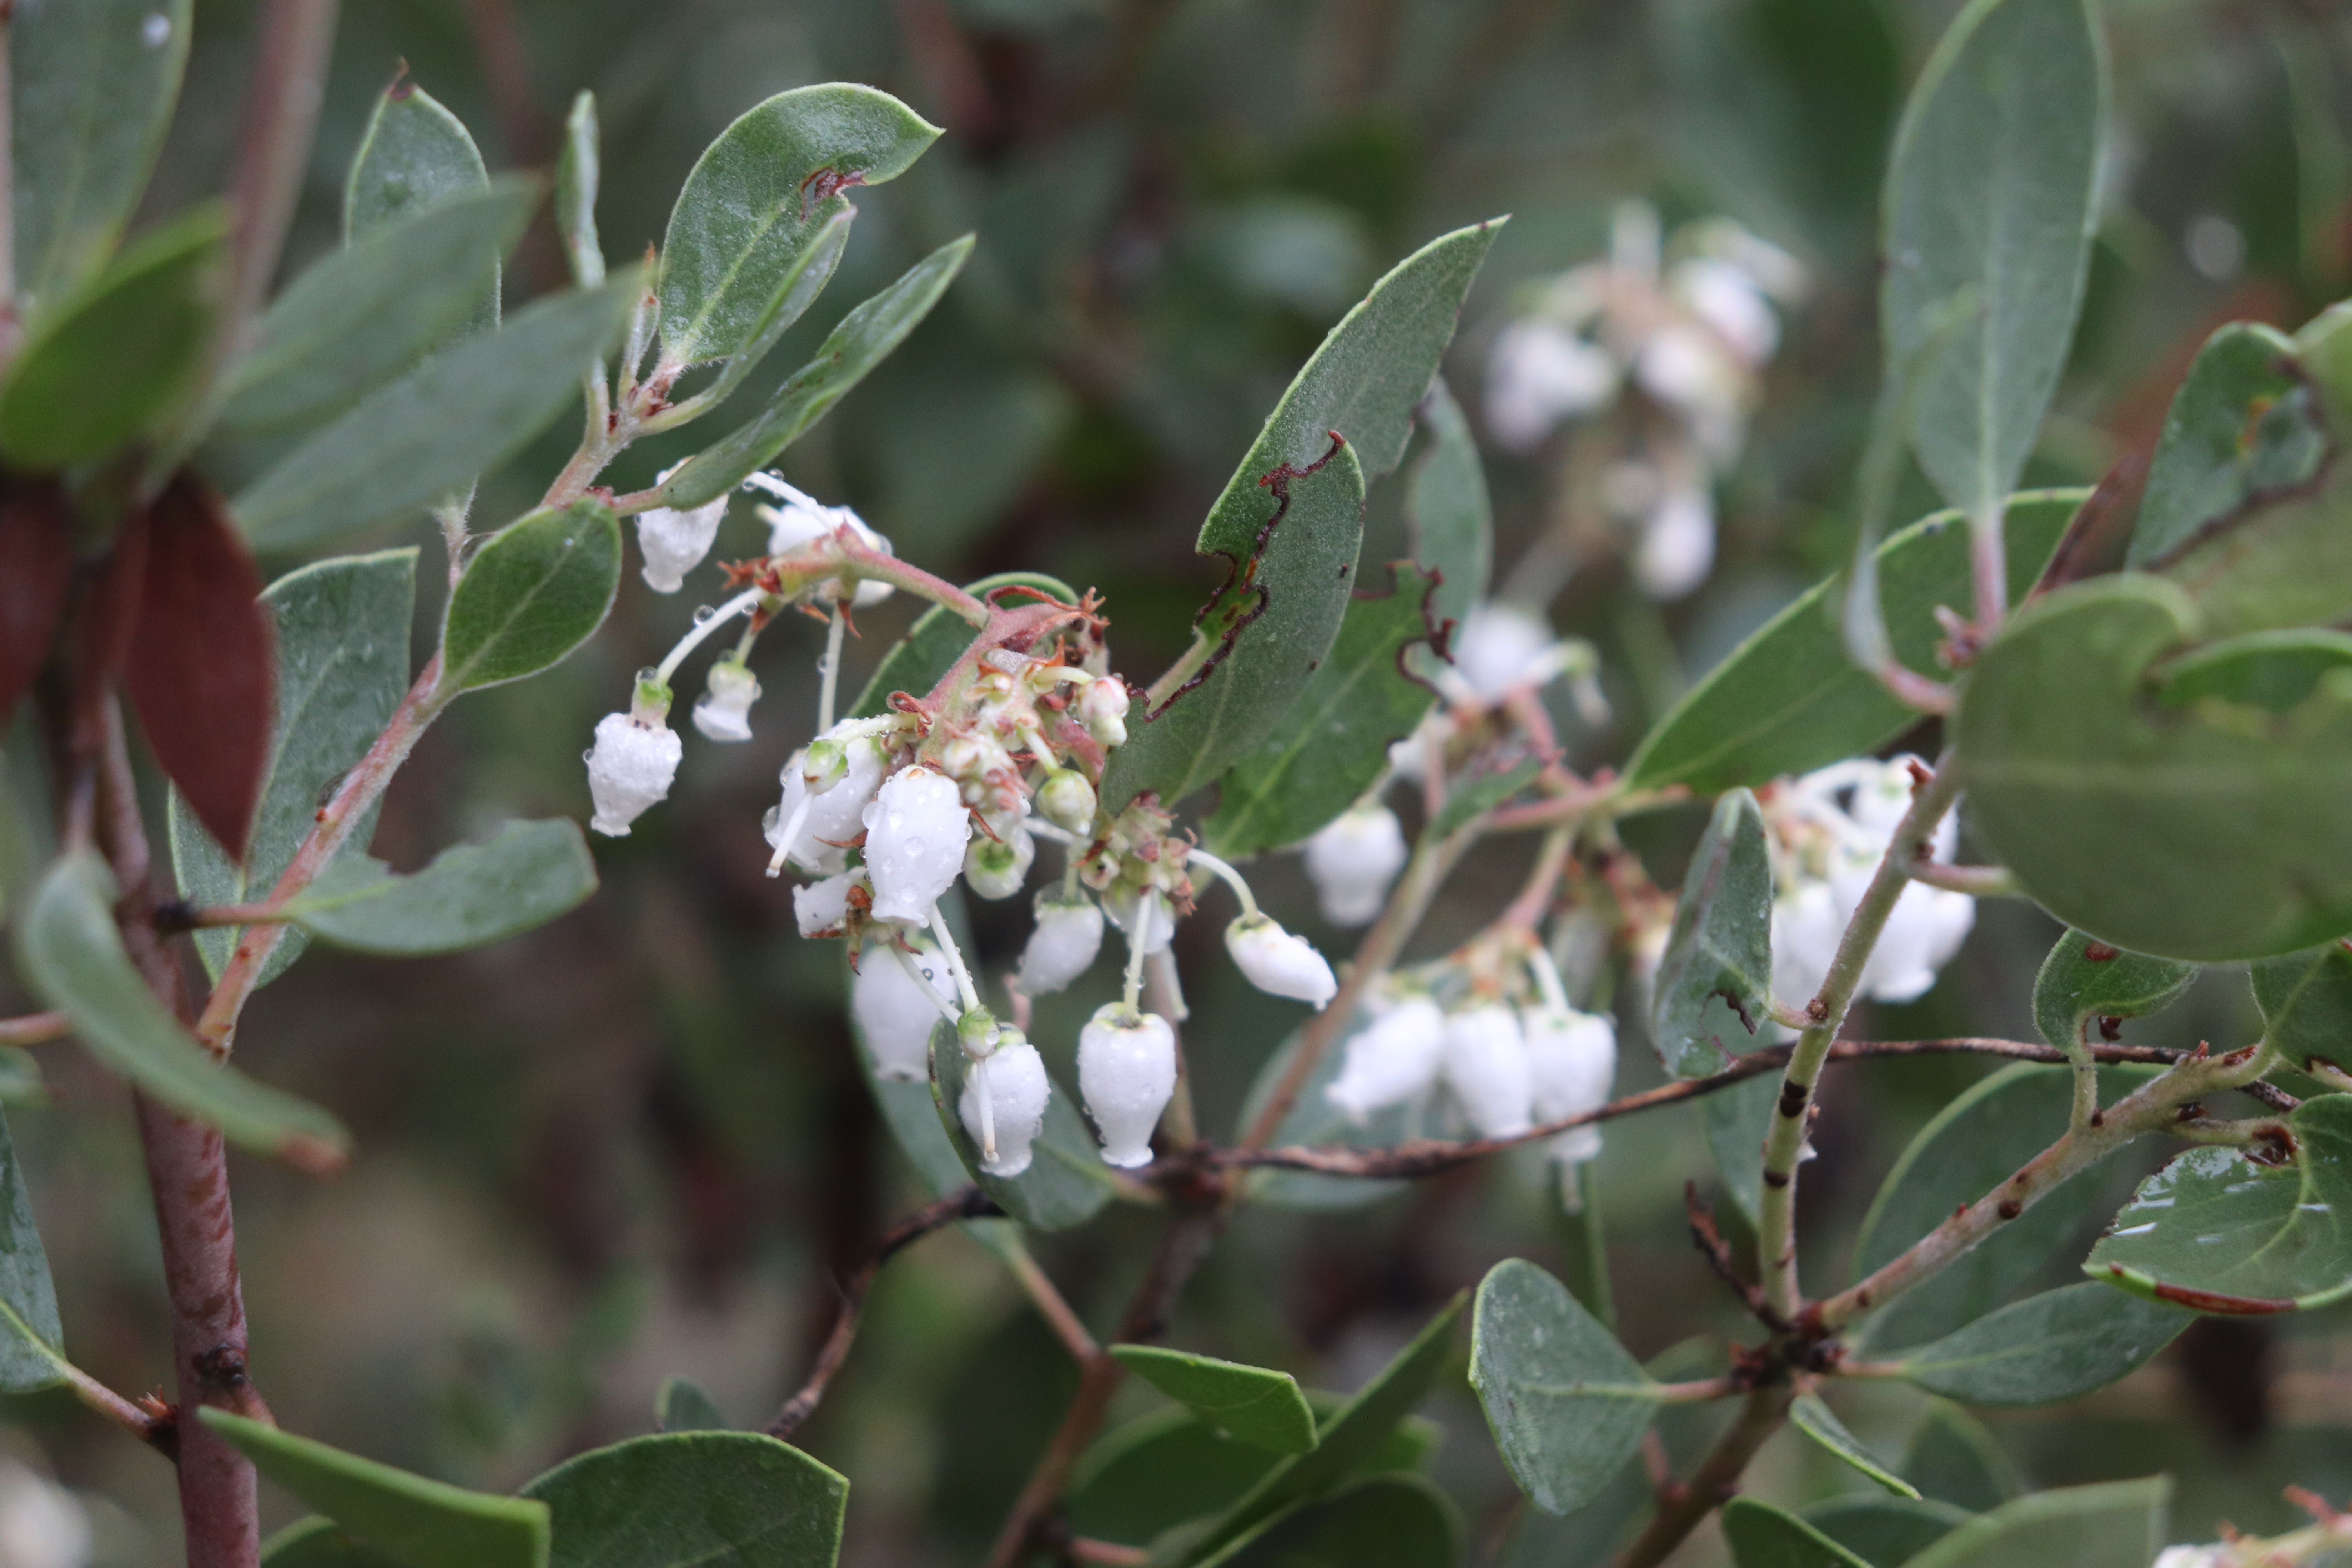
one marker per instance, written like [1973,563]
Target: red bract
[36,567]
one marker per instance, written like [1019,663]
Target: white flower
[629,768]
[1687,369]
[1928,927]
[1120,905]
[1013,1078]
[996,868]
[822,909]
[1279,963]
[802,520]
[1571,1066]
[821,825]
[1068,800]
[1538,374]
[1487,1069]
[1806,926]
[915,834]
[42,1525]
[1102,709]
[723,711]
[1677,546]
[1727,298]
[1352,861]
[1126,1072]
[2214,1556]
[674,542]
[1393,1062]
[893,1013]
[1501,648]
[1062,947]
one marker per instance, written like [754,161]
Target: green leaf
[413,155]
[1762,1536]
[1955,1460]
[2046,1349]
[20,1077]
[531,594]
[466,410]
[1566,1403]
[917,661]
[695,1499]
[1357,1431]
[111,362]
[2082,980]
[342,666]
[1470,799]
[1067,1183]
[471,895]
[682,1406]
[577,172]
[1975,1143]
[1789,701]
[317,1543]
[365,314]
[2276,671]
[865,338]
[1260,638]
[757,197]
[1989,206]
[2217,1232]
[1250,1404]
[1881,1528]
[2118,1524]
[71,956]
[2243,427]
[2075,779]
[1721,944]
[31,1338]
[811,270]
[1739,1120]
[1334,742]
[426,1524]
[1385,1521]
[93,83]
[1453,522]
[2307,1003]
[1812,1416]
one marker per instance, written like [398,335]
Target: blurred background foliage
[635,1143]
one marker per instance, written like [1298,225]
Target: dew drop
[588,755]
[155,31]
[702,613]
[648,673]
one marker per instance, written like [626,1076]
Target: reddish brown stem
[281,109]
[35,1028]
[1681,1508]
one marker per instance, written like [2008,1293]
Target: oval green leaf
[2118,1524]
[342,628]
[1447,508]
[1567,1403]
[2045,1350]
[577,172]
[1762,1536]
[1384,1521]
[1789,701]
[1989,204]
[2084,980]
[1954,1459]
[693,1500]
[317,1543]
[1880,1528]
[32,1340]
[2216,1232]
[71,955]
[471,895]
[531,594]
[1812,1415]
[2242,427]
[1252,1405]
[467,409]
[2275,671]
[424,1523]
[682,1406]
[2307,1003]
[1721,943]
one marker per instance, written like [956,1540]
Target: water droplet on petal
[702,613]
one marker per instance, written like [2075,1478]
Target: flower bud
[1487,1069]
[822,909]
[1063,946]
[723,711]
[895,1017]
[1279,963]
[1393,1062]
[825,764]
[1013,1081]
[1352,862]
[629,768]
[1067,800]
[915,834]
[996,868]
[1103,710]
[674,542]
[1571,1065]
[1126,1072]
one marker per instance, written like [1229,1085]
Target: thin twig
[1977,881]
[1052,1307]
[281,110]
[1682,1507]
[35,1028]
[970,1203]
[1718,1253]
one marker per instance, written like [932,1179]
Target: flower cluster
[1690,336]
[1829,831]
[886,812]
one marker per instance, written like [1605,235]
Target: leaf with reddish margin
[36,568]
[202,660]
